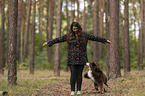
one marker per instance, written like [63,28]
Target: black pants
[76,76]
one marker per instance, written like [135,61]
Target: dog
[97,76]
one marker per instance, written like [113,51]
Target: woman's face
[75,29]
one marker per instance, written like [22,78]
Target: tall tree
[95,29]
[50,28]
[84,18]
[121,27]
[107,11]
[126,40]
[101,27]
[134,12]
[72,10]
[41,20]
[26,34]
[114,38]
[22,30]
[67,14]
[12,66]
[33,39]
[140,49]
[144,29]
[20,7]
[57,46]
[78,13]
[2,63]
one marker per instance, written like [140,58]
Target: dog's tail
[106,84]
[86,76]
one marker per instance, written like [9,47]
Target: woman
[77,52]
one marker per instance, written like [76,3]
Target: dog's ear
[95,63]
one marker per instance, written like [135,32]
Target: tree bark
[101,29]
[2,61]
[67,14]
[107,8]
[126,40]
[33,39]
[144,27]
[121,27]
[84,19]
[114,38]
[51,13]
[140,49]
[72,10]
[22,31]
[26,37]
[41,21]
[20,11]
[96,29]
[12,66]
[78,11]
[57,46]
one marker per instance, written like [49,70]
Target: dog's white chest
[91,76]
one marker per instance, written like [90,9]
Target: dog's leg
[106,84]
[96,87]
[102,88]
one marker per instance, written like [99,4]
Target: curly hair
[79,34]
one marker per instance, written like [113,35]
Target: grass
[29,84]
[131,85]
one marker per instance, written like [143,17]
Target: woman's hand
[44,44]
[109,42]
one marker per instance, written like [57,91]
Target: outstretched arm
[56,40]
[97,38]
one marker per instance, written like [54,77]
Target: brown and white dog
[97,76]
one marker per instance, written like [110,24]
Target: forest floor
[43,83]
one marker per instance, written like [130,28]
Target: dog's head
[93,65]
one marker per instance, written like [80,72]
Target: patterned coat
[77,53]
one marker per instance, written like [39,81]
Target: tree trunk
[41,21]
[78,11]
[68,23]
[96,29]
[51,13]
[72,10]
[67,14]
[26,38]
[107,8]
[140,49]
[22,31]
[121,27]
[101,29]
[114,38]
[126,41]
[134,12]
[2,61]
[9,9]
[20,11]
[144,27]
[12,66]
[57,46]
[84,19]
[33,39]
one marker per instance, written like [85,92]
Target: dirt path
[62,88]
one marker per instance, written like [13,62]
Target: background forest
[39,21]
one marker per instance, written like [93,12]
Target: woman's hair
[80,34]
